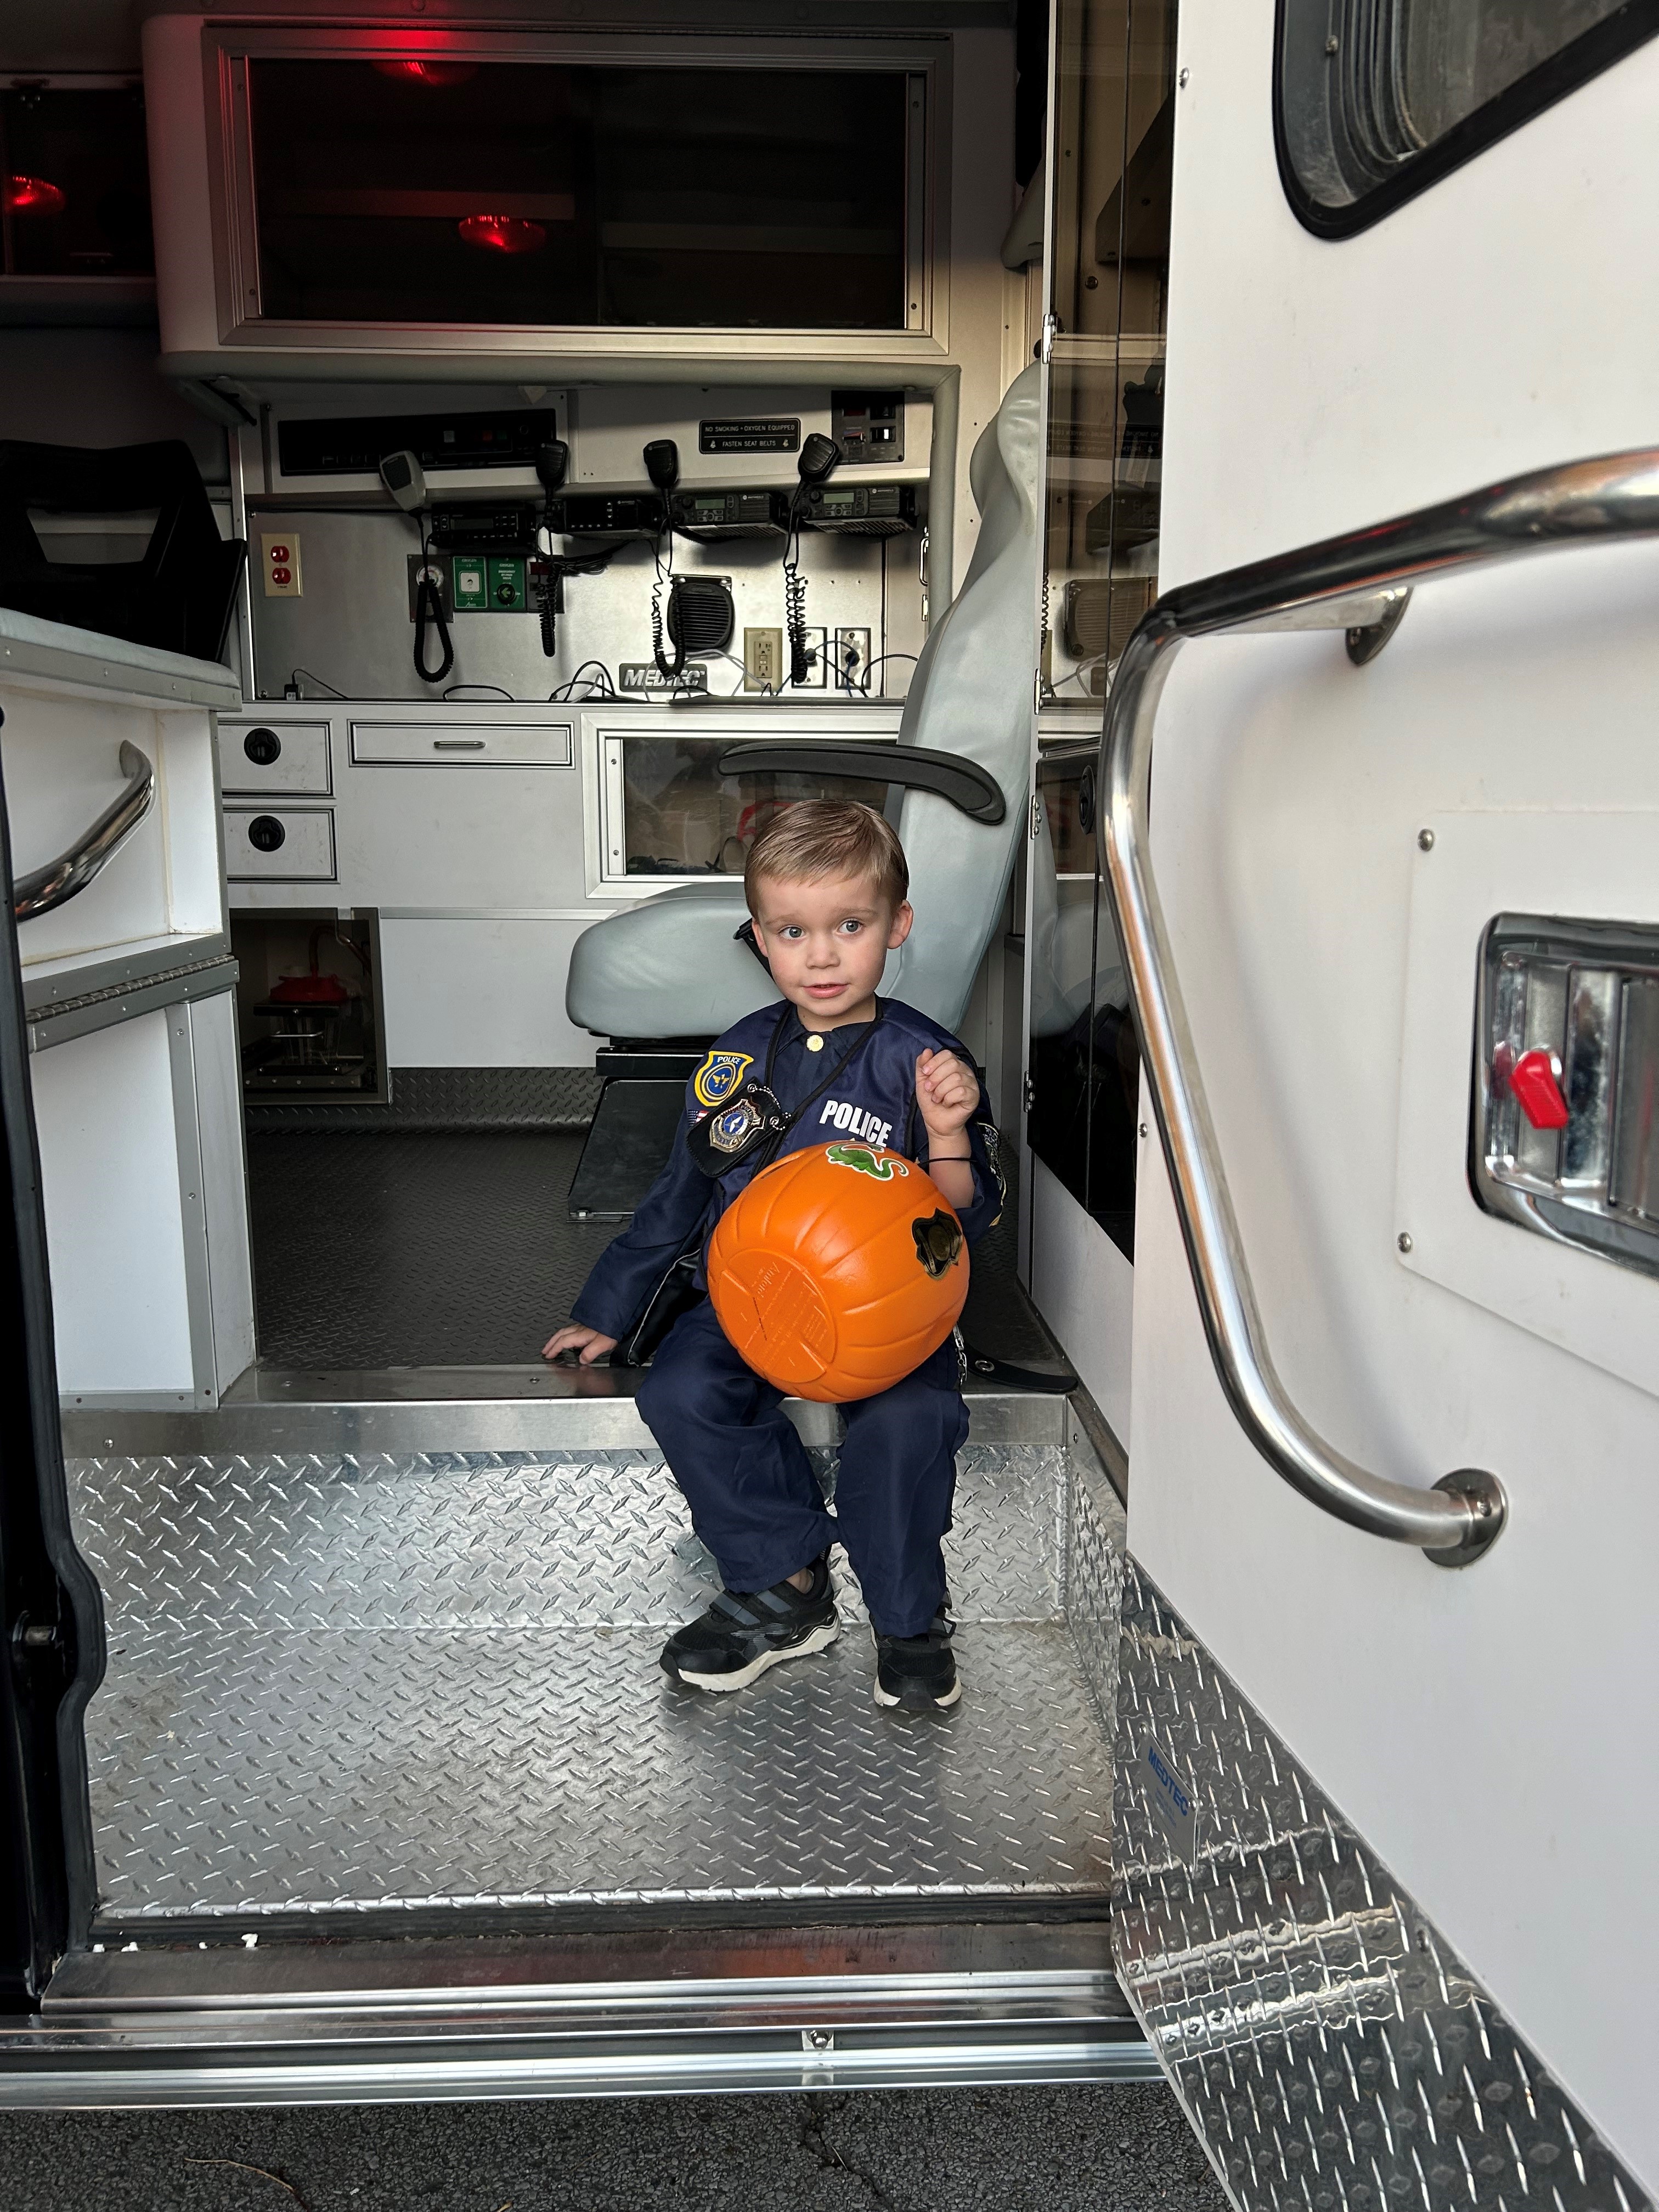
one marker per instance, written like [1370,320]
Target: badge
[719,1077]
[730,1132]
[728,1135]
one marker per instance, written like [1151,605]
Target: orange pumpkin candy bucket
[838,1270]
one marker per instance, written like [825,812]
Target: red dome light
[422,72]
[33,195]
[502,233]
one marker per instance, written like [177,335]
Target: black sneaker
[918,1672]
[744,1633]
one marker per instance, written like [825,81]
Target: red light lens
[33,195]
[419,72]
[502,233]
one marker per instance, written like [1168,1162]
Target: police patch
[719,1075]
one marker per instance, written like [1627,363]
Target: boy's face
[828,942]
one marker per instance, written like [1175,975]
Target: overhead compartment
[326,192]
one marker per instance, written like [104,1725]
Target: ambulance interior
[510,355]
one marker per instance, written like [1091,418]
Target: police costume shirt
[857,1084]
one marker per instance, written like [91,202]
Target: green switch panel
[472,583]
[508,585]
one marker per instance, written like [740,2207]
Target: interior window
[460,192]
[74,182]
[1376,98]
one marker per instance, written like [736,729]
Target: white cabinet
[461,744]
[285,844]
[127,989]
[276,757]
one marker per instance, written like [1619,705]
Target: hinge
[1028,1090]
[1052,327]
[1037,817]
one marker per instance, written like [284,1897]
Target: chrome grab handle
[1357,582]
[458,745]
[43,888]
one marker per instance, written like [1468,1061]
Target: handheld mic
[402,477]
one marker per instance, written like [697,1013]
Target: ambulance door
[1382,782]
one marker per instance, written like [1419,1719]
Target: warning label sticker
[749,434]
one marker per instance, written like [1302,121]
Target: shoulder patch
[719,1075]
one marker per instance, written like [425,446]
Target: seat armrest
[964,783]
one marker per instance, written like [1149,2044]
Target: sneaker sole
[815,1640]
[921,1703]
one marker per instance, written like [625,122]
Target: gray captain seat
[672,968]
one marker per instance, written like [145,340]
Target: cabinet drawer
[461,744]
[291,843]
[299,762]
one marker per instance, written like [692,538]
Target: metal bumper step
[624,2012]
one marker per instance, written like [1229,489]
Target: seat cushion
[668,966]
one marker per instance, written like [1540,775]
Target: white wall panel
[104,1107]
[484,991]
[1084,1288]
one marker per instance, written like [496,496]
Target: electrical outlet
[852,659]
[280,554]
[763,660]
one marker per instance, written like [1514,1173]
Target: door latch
[1565,1110]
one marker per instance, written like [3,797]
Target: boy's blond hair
[819,838]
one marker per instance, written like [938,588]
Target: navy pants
[755,1501]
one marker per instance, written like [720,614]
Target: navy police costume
[733,1451]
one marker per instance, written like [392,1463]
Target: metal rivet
[817,2038]
[1181,80]
[1143,1128]
[1332,45]
[1404,1240]
[1425,839]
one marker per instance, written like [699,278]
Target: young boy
[826,884]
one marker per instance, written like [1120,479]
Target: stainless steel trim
[56,985]
[1344,583]
[712,2062]
[477,1409]
[110,666]
[610,2010]
[44,889]
[124,1002]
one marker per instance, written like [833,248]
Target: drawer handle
[266,834]
[458,745]
[262,747]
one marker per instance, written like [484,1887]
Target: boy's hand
[946,1092]
[588,1343]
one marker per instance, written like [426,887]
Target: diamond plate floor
[245,1774]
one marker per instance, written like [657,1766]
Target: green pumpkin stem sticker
[882,1165]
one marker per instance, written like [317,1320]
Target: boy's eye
[851,928]
[791,929]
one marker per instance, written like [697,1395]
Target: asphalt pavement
[1109,2150]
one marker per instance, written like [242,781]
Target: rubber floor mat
[414,1250]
